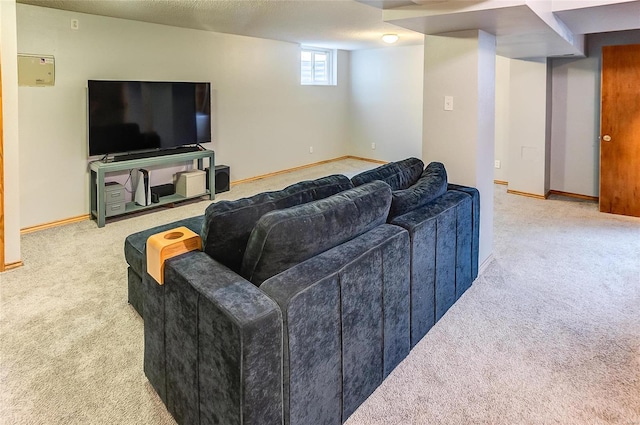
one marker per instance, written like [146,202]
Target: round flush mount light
[390,38]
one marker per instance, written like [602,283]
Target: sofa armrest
[475,222]
[223,345]
[346,315]
[135,254]
[440,257]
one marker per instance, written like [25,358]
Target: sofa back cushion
[228,224]
[284,238]
[399,175]
[431,185]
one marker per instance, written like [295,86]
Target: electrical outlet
[75,24]
[448,103]
[373,146]
[310,149]
[496,163]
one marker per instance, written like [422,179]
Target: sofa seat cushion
[135,244]
[399,175]
[228,224]
[284,238]
[431,184]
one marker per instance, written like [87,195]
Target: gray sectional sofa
[303,300]
[443,223]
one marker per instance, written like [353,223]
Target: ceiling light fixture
[390,38]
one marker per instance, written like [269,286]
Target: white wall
[450,69]
[386,102]
[502,117]
[462,65]
[8,49]
[527,146]
[574,129]
[570,160]
[264,120]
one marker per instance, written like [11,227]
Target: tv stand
[99,169]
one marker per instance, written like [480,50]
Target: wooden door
[620,130]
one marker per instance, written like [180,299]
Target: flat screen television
[138,116]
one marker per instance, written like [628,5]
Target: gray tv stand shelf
[99,169]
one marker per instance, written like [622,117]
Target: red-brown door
[620,130]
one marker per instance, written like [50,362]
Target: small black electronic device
[222,178]
[162,190]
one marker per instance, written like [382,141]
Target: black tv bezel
[106,155]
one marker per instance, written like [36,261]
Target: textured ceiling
[341,24]
[524,28]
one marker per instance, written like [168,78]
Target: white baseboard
[485,264]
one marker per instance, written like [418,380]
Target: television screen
[129,116]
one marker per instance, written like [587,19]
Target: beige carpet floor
[548,334]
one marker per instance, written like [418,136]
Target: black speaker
[222,178]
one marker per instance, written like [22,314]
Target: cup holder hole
[174,235]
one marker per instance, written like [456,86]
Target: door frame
[2,256]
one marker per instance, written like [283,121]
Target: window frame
[331,68]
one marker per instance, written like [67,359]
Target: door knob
[606,138]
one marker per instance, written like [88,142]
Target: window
[317,66]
